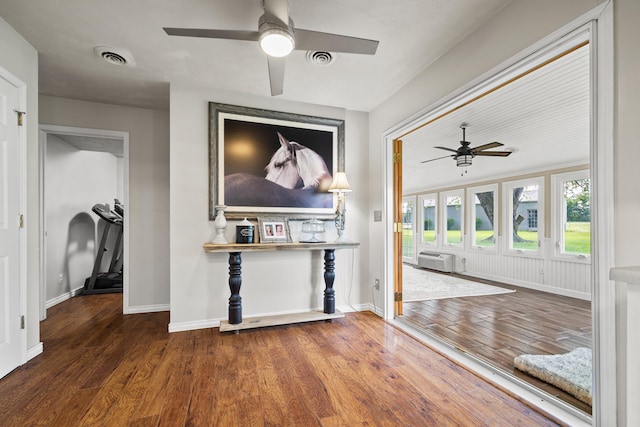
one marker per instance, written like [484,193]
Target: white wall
[272,282]
[75,180]
[21,59]
[148,213]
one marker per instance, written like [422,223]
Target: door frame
[44,131]
[22,202]
[599,23]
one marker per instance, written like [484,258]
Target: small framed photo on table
[273,230]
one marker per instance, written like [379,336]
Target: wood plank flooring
[102,368]
[497,328]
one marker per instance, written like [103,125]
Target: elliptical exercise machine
[111,280]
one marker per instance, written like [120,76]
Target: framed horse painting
[274,163]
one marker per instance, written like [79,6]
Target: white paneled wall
[544,273]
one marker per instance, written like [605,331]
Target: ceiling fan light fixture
[464,160]
[276,42]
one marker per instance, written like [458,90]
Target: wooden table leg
[235,281]
[329,276]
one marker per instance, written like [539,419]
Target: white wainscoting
[545,273]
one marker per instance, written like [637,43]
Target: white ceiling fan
[278,37]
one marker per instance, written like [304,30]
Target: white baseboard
[35,351]
[147,308]
[65,296]
[355,308]
[530,285]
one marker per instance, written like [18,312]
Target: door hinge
[21,221]
[20,115]
[397,296]
[22,322]
[397,157]
[397,227]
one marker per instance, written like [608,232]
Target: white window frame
[507,202]
[558,218]
[471,206]
[421,199]
[443,217]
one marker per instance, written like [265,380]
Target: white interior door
[10,350]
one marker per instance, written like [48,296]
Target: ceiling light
[276,42]
[463,160]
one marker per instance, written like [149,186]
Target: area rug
[422,285]
[570,372]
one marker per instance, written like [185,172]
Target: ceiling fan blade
[448,149]
[487,146]
[437,158]
[493,153]
[276,74]
[315,40]
[213,34]
[279,9]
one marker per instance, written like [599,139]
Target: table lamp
[340,185]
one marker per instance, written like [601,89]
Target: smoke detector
[115,56]
[320,58]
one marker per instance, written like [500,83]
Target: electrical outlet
[377,285]
[60,278]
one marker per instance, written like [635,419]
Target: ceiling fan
[278,37]
[465,154]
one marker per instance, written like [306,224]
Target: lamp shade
[340,183]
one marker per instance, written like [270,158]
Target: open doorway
[599,168]
[79,168]
[501,210]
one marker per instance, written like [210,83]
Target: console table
[235,250]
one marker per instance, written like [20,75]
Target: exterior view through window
[454,219]
[407,228]
[576,236]
[525,220]
[483,221]
[429,220]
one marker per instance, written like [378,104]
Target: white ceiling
[544,116]
[412,34]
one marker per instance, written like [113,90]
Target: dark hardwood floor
[497,328]
[103,368]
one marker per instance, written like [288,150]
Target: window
[532,218]
[524,227]
[571,203]
[483,216]
[408,205]
[429,203]
[453,217]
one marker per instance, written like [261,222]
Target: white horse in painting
[295,166]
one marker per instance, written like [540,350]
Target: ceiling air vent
[115,56]
[320,58]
